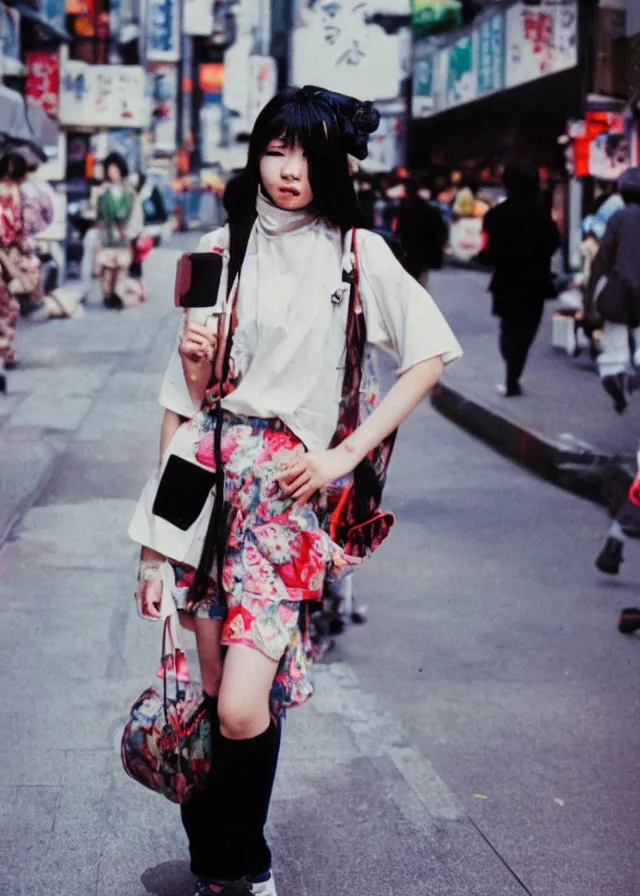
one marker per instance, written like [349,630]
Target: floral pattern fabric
[277,554]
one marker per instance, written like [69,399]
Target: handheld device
[198,280]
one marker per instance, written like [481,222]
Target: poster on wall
[461,72]
[42,84]
[541,40]
[339,47]
[163,78]
[490,64]
[164,31]
[102,96]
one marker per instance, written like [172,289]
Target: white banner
[338,50]
[102,96]
[197,17]
[541,40]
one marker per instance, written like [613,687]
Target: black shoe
[3,384]
[610,557]
[629,620]
[614,385]
[113,302]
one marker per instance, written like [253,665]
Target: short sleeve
[174,394]
[401,316]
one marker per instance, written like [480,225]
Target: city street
[477,737]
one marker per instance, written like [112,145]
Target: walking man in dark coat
[422,233]
[522,237]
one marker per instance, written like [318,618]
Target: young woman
[277,371]
[116,207]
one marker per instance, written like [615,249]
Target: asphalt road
[477,737]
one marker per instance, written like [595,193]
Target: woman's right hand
[198,343]
[150,578]
[148,598]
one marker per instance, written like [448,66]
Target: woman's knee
[242,720]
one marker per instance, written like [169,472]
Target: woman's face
[114,175]
[284,172]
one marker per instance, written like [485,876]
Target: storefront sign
[164,31]
[42,84]
[164,92]
[422,98]
[541,40]
[461,72]
[102,96]
[602,145]
[197,17]
[491,54]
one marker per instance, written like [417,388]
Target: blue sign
[491,51]
[53,11]
[164,31]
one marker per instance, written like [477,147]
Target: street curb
[572,464]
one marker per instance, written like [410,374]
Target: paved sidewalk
[358,808]
[563,427]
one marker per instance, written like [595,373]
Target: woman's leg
[225,823]
[208,633]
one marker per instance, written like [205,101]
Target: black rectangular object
[182,492]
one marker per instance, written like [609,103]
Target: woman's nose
[292,167]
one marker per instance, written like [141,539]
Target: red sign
[42,86]
[597,123]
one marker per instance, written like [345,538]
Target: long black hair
[327,126]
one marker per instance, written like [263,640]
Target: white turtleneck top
[289,343]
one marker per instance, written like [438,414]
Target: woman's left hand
[305,474]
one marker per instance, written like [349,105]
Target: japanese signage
[491,54]
[541,40]
[164,31]
[337,46]
[102,96]
[461,72]
[164,91]
[43,81]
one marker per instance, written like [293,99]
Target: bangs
[299,121]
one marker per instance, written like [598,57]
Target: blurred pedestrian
[521,240]
[116,208]
[613,293]
[13,169]
[422,233]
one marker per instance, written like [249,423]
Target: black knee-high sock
[225,820]
[266,751]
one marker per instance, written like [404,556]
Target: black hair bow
[356,119]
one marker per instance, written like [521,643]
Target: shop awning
[14,124]
[34,15]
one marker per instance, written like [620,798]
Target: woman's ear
[353,165]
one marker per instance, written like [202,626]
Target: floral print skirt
[277,555]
